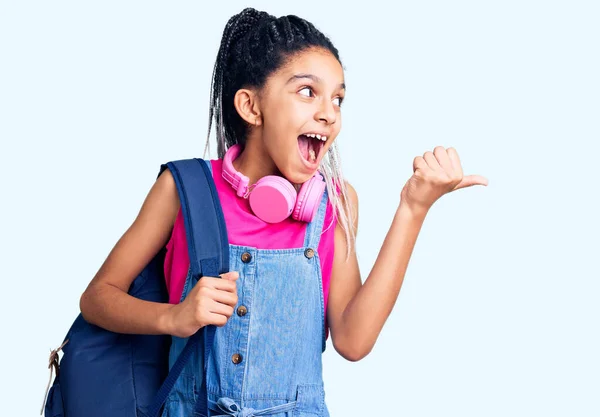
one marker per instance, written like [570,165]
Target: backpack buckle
[53,366]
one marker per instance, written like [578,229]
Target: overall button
[236,358]
[242,310]
[309,253]
[246,257]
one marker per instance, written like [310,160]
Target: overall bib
[266,361]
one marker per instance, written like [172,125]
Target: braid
[288,31]
[235,29]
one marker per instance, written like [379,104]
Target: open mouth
[310,145]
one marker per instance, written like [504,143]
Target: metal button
[246,257]
[242,310]
[309,253]
[236,358]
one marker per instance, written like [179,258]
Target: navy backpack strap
[203,217]
[208,250]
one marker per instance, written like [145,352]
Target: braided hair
[253,46]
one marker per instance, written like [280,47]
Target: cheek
[293,107]
[281,113]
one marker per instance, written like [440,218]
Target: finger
[432,162]
[224,297]
[218,320]
[471,180]
[221,308]
[419,164]
[218,283]
[453,156]
[443,159]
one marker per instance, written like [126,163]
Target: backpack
[102,373]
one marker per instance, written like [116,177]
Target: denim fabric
[281,338]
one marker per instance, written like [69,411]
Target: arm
[356,311]
[105,302]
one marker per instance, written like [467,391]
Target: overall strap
[208,250]
[314,229]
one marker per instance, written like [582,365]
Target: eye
[340,100]
[310,91]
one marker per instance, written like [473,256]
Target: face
[300,103]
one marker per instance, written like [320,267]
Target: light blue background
[498,314]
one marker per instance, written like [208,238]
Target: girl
[277,91]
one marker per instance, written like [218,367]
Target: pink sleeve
[326,251]
[177,260]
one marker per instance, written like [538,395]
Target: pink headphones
[273,198]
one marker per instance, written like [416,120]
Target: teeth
[314,135]
[312,155]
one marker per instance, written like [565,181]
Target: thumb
[231,276]
[470,180]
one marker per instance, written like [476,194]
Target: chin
[296,173]
[296,177]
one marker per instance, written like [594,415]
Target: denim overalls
[266,361]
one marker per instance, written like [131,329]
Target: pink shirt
[245,229]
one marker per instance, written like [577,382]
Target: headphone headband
[238,181]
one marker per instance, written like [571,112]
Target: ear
[247,105]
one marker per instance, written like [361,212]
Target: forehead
[318,62]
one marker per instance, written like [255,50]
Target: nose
[326,112]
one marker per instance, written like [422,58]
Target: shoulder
[348,197]
[165,185]
[344,212]
[351,194]
[162,201]
[345,190]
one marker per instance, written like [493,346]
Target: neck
[254,162]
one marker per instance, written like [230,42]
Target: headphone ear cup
[272,199]
[309,198]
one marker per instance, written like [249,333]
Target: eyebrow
[311,77]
